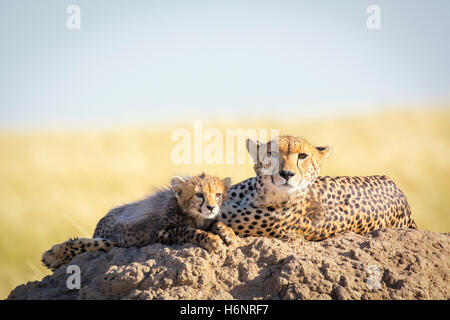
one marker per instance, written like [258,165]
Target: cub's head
[287,163]
[200,196]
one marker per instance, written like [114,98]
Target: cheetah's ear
[253,149]
[176,182]
[227,182]
[324,152]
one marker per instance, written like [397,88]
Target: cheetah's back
[358,204]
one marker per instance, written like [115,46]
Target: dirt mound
[387,264]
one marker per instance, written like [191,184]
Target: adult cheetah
[288,196]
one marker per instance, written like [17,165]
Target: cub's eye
[218,195]
[302,156]
[199,195]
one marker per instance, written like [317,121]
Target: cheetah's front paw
[213,243]
[226,233]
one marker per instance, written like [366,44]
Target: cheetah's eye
[302,156]
[218,195]
[199,195]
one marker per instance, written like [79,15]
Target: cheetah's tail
[412,224]
[62,253]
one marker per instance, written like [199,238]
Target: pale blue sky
[140,62]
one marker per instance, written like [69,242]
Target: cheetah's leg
[181,235]
[224,232]
[62,253]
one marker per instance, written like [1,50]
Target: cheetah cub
[184,213]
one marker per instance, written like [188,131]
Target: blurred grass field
[56,185]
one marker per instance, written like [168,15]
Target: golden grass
[56,185]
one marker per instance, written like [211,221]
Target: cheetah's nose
[286,174]
[209,207]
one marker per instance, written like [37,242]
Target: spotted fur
[288,196]
[184,213]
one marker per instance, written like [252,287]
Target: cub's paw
[225,233]
[213,243]
[58,255]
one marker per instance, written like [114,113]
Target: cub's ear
[227,182]
[176,181]
[253,149]
[324,152]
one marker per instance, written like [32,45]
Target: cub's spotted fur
[184,213]
[288,196]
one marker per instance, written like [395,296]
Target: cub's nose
[209,207]
[286,174]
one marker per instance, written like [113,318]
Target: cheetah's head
[200,197]
[287,163]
